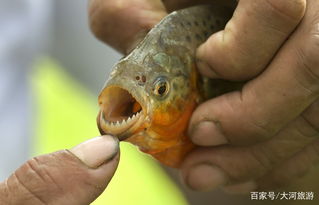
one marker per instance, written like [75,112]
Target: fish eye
[161,86]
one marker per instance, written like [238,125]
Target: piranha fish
[152,92]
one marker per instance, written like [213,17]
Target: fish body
[152,92]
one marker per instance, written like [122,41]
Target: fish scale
[187,27]
[160,79]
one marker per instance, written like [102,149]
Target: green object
[66,115]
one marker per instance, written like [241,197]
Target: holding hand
[75,176]
[275,117]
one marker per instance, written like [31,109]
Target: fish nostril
[137,77]
[143,78]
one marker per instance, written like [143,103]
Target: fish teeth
[136,114]
[122,123]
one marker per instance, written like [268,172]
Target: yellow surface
[66,117]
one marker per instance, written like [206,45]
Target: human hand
[275,117]
[75,176]
[123,23]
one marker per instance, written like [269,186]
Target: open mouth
[119,110]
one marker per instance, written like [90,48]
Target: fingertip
[97,151]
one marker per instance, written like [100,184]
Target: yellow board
[66,117]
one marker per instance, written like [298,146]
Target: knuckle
[35,176]
[31,194]
[96,19]
[94,23]
[257,162]
[101,14]
[262,128]
[5,196]
[292,9]
[41,172]
[28,179]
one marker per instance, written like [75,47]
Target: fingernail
[204,177]
[97,151]
[208,133]
[242,188]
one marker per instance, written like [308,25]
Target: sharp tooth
[117,123]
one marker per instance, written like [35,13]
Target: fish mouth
[121,114]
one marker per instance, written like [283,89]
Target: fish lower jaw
[120,126]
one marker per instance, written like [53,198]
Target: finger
[250,39]
[302,161]
[76,176]
[266,104]
[231,166]
[121,23]
[172,5]
[298,167]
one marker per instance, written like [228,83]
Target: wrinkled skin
[274,46]
[75,176]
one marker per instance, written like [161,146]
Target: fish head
[149,101]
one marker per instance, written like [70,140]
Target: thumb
[250,39]
[75,176]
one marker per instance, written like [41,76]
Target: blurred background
[51,72]
[33,30]
[74,46]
